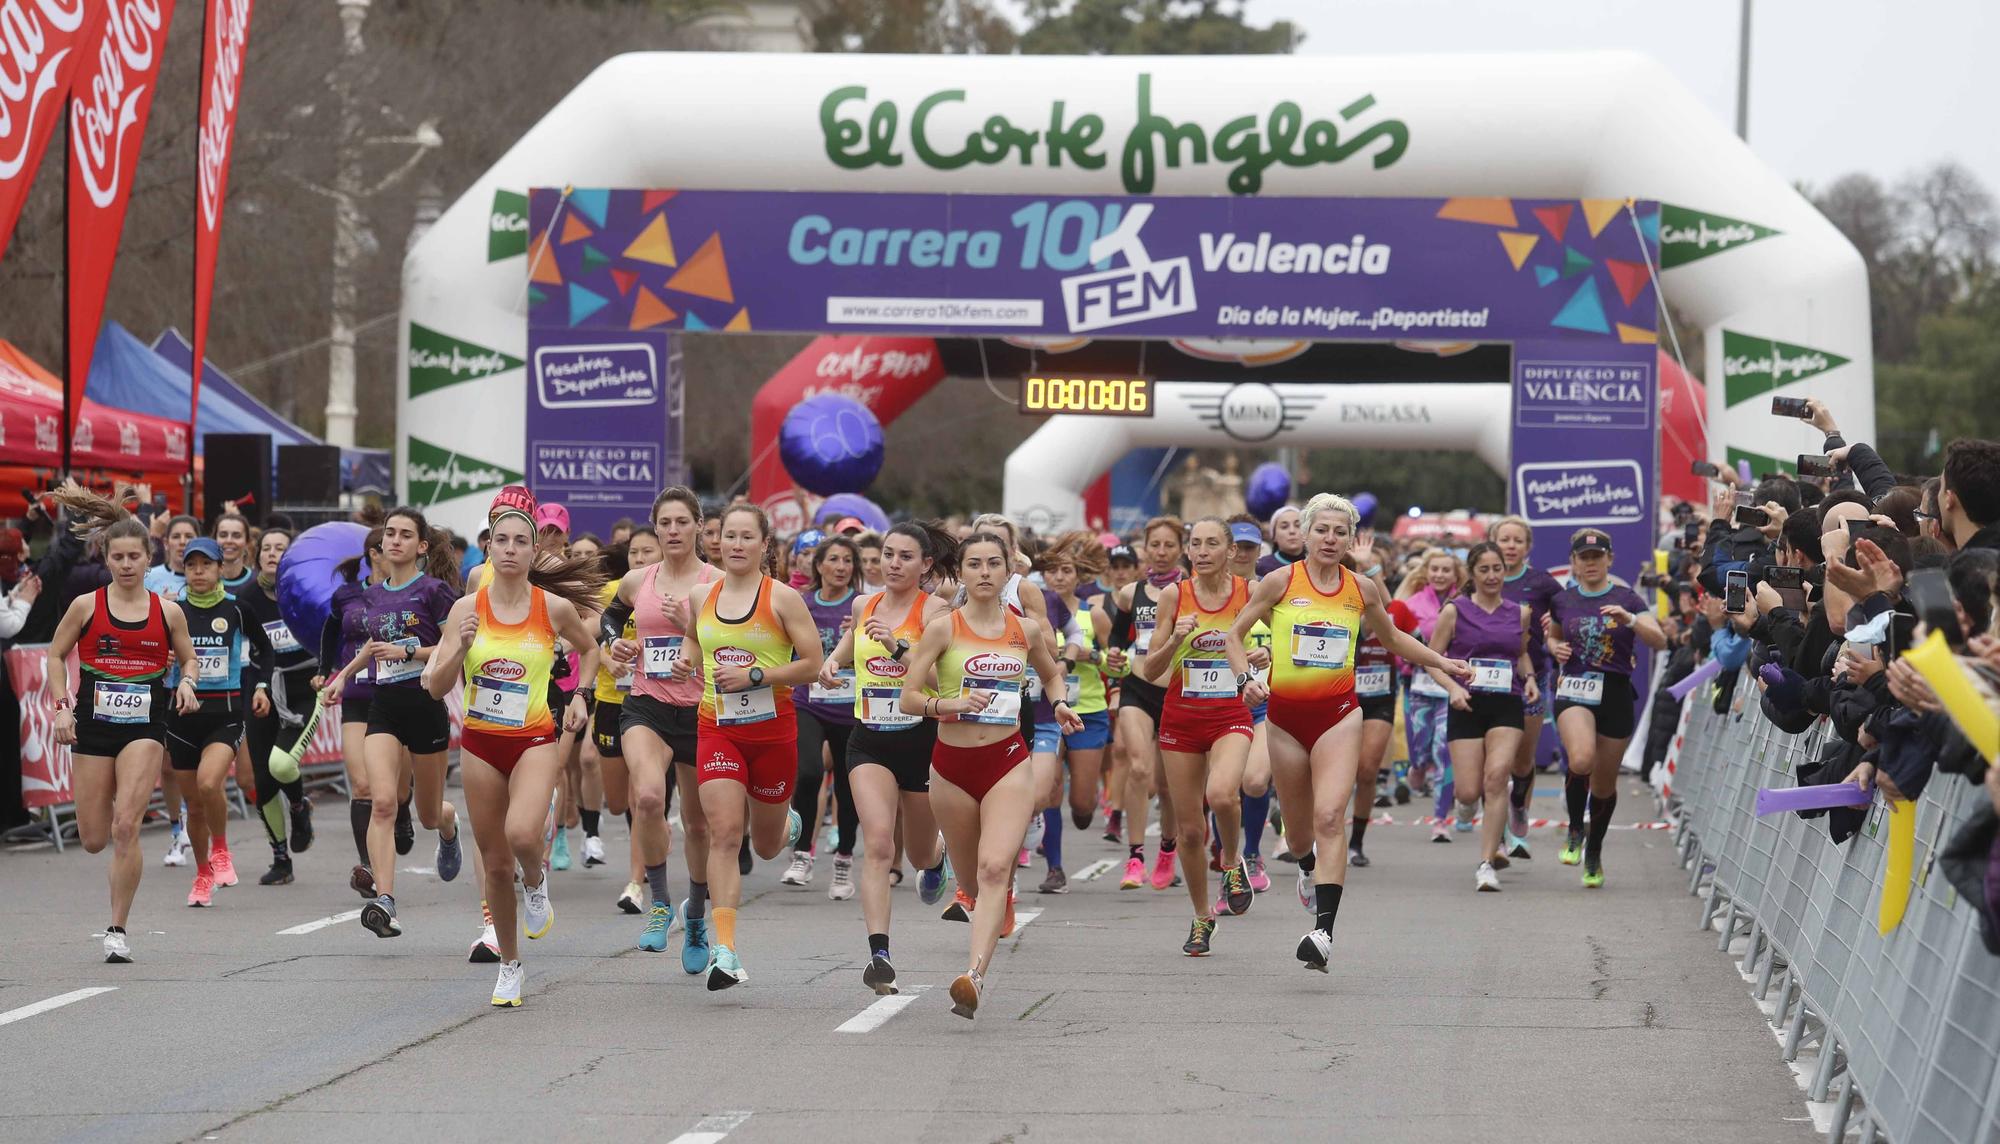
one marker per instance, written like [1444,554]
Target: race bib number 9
[756,705]
[881,709]
[1496,675]
[1586,689]
[1207,679]
[1004,710]
[1320,645]
[122,702]
[501,702]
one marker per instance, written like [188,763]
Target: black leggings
[813,735]
[263,735]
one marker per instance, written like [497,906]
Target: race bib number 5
[753,706]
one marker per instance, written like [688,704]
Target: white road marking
[70,998]
[320,924]
[1097,869]
[1022,918]
[711,1129]
[425,870]
[878,1014]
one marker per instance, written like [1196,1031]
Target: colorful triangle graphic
[1629,277]
[542,264]
[1597,212]
[583,303]
[694,322]
[1584,311]
[1519,244]
[706,275]
[653,199]
[625,279]
[537,296]
[648,311]
[574,230]
[593,259]
[1649,226]
[740,324]
[1555,219]
[1495,212]
[655,244]
[592,203]
[1546,274]
[1634,336]
[1575,262]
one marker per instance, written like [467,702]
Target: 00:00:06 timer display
[1105,396]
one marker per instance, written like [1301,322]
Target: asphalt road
[1544,1011]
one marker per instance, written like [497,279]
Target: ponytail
[441,560]
[97,519]
[578,578]
[350,568]
[937,544]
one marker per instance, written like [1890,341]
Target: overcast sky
[1835,85]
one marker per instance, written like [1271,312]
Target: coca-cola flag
[225,36]
[107,121]
[41,42]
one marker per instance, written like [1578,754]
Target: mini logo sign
[128,438]
[505,670]
[883,666]
[219,626]
[734,657]
[1253,411]
[1139,292]
[1752,365]
[991,665]
[1583,395]
[435,473]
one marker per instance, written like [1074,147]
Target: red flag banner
[225,38]
[107,122]
[41,42]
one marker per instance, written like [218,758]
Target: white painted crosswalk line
[57,1002]
[711,1129]
[1096,870]
[878,1014]
[1023,917]
[319,924]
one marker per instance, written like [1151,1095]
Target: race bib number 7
[1005,708]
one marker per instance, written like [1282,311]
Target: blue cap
[202,546]
[1243,532]
[808,539]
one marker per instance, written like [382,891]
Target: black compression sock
[1167,845]
[1326,904]
[589,818]
[1523,786]
[359,811]
[1139,851]
[403,812]
[656,880]
[1577,791]
[697,899]
[280,852]
[1357,829]
[878,945]
[1600,821]
[1308,861]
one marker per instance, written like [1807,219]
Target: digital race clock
[1102,396]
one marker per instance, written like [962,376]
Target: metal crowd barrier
[1907,1024]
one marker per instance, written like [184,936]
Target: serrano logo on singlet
[885,667]
[505,670]
[1301,602]
[1211,640]
[734,657]
[992,665]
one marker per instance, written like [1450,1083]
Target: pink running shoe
[203,892]
[1135,874]
[223,865]
[1163,869]
[1259,880]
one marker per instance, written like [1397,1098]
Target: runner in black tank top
[1139,707]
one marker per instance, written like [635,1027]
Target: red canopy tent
[110,445]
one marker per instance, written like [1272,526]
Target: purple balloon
[307,576]
[1269,488]
[1366,504]
[857,506]
[831,444]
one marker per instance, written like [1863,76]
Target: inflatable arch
[1775,292]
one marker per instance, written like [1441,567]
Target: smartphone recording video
[1790,407]
[1929,592]
[1736,592]
[1706,469]
[1815,465]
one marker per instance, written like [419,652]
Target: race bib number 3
[1495,675]
[501,702]
[1004,710]
[281,637]
[1320,645]
[881,709]
[1375,682]
[658,656]
[1586,689]
[842,692]
[1207,679]
[396,671]
[756,705]
[122,702]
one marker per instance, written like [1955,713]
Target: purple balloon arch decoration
[1270,486]
[307,576]
[831,444]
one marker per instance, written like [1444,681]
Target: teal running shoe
[654,938]
[694,942]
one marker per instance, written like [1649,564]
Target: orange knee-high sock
[725,926]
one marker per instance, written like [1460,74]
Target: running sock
[1139,852]
[202,868]
[359,811]
[725,926]
[403,813]
[1577,790]
[878,945]
[1357,829]
[1523,786]
[114,929]
[1167,845]
[656,877]
[280,852]
[1052,829]
[697,899]
[590,818]
[1600,821]
[1308,861]
[1256,812]
[1326,905]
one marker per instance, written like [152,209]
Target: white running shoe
[178,848]
[116,952]
[800,872]
[1316,949]
[1307,897]
[486,950]
[1485,880]
[507,990]
[538,913]
[1035,829]
[593,850]
[843,879]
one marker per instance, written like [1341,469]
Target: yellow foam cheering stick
[1961,697]
[285,764]
[1896,865]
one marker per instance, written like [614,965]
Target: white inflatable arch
[1776,293]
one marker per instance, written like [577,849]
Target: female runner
[1247,541]
[291,702]
[1140,702]
[125,639]
[641,550]
[1425,704]
[340,640]
[1064,566]
[661,717]
[1490,632]
[1288,540]
[403,618]
[166,580]
[499,645]
[1592,624]
[826,717]
[748,742]
[232,532]
[1375,687]
[1316,608]
[1205,729]
[980,789]
[889,752]
[1528,585]
[583,769]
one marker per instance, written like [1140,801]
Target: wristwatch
[756,677]
[899,649]
[1243,680]
[409,653]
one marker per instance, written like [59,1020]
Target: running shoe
[965,995]
[961,907]
[880,975]
[116,951]
[1355,857]
[593,850]
[1517,821]
[1501,861]
[1517,846]
[1056,883]
[1440,833]
[1036,827]
[1007,926]
[220,861]
[1402,793]
[1114,826]
[558,853]
[1236,892]
[507,990]
[800,872]
[379,917]
[1316,949]
[1259,880]
[794,826]
[1485,880]
[178,848]
[538,914]
[302,826]
[629,901]
[280,874]
[654,938]
[744,861]
[842,887]
[1025,859]
[930,883]
[406,830]
[1135,873]
[1593,873]
[1465,822]
[203,892]
[1198,934]
[1572,851]
[362,881]
[694,942]
[451,858]
[724,970]
[1382,799]
[485,950]
[1164,874]
[1308,897]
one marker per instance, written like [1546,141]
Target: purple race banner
[603,422]
[1585,434]
[1484,269]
